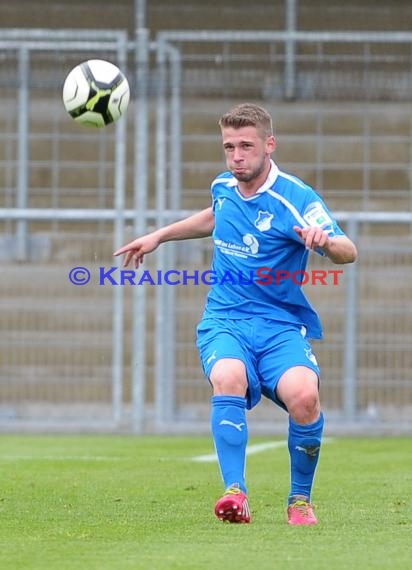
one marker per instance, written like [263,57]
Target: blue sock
[304,445]
[230,434]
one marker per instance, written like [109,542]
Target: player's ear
[270,144]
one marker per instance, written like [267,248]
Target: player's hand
[313,237]
[136,250]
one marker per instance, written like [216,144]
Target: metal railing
[155,381]
[170,410]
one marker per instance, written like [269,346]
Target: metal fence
[112,357]
[348,132]
[59,343]
[364,358]
[45,162]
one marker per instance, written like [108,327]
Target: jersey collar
[271,179]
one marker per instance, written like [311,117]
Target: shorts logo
[311,356]
[263,221]
[211,357]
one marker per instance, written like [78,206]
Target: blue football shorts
[267,348]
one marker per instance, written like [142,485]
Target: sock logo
[310,451]
[229,423]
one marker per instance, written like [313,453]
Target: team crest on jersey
[263,221]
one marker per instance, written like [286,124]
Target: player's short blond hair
[248,115]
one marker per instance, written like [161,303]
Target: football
[96,93]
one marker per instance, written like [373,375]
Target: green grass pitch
[125,502]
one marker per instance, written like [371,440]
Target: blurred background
[337,79]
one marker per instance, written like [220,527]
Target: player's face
[247,152]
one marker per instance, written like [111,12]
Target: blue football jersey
[256,249]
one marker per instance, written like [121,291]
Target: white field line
[251,450]
[60,458]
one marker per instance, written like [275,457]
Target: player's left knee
[305,408]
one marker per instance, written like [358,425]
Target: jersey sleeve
[316,213]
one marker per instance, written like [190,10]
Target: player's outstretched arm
[339,249]
[198,225]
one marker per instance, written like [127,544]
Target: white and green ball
[96,93]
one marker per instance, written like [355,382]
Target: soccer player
[253,335]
